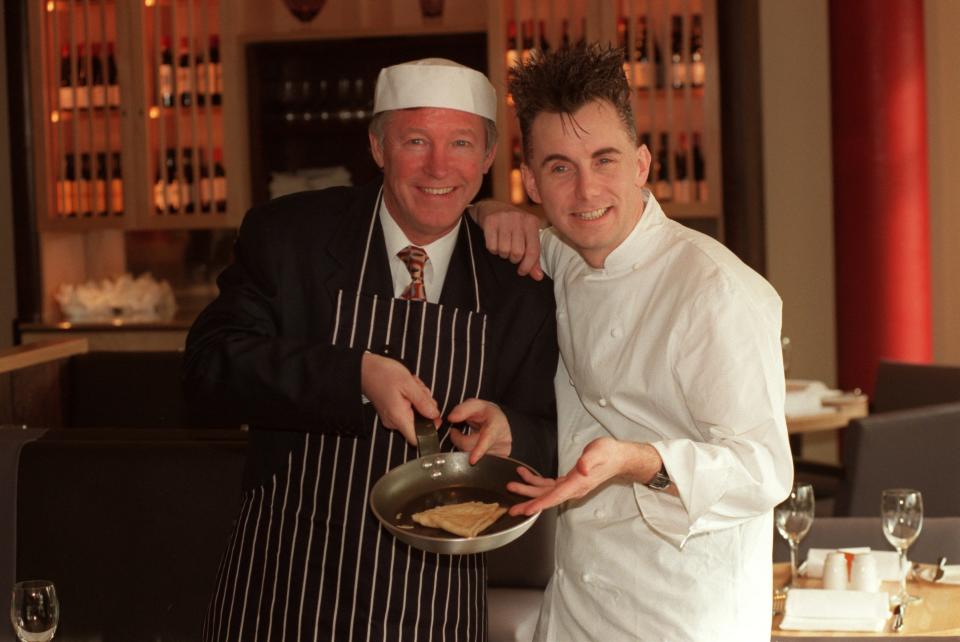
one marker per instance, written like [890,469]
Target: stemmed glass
[793,518]
[902,512]
[34,610]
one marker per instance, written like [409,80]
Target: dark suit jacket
[261,351]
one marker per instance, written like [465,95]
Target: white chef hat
[435,82]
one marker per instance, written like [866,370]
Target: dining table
[937,614]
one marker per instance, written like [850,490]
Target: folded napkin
[806,398]
[823,610]
[888,562]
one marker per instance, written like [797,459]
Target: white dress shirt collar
[439,253]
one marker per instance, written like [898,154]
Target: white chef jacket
[675,342]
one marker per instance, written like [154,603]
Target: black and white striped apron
[308,560]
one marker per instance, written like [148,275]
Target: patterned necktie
[414,258]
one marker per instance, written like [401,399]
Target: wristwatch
[661,480]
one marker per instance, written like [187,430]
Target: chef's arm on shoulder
[511,233]
[237,363]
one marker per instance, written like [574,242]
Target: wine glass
[902,512]
[793,518]
[34,610]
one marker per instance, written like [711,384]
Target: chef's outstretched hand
[511,233]
[490,429]
[601,460]
[395,392]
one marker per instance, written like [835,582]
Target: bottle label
[203,77]
[100,197]
[69,197]
[219,189]
[66,97]
[698,73]
[98,96]
[116,195]
[83,192]
[642,74]
[173,195]
[183,80]
[82,96]
[206,195]
[218,77]
[113,95]
[166,82]
[158,196]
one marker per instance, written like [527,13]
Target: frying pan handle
[427,441]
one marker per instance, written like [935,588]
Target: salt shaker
[835,571]
[864,575]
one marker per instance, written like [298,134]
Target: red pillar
[881,213]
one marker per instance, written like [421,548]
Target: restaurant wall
[797,175]
[943,96]
[7,275]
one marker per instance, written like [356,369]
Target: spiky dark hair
[564,80]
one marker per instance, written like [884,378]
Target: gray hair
[379,123]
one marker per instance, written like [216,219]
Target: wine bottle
[664,189]
[65,92]
[116,186]
[544,43]
[678,68]
[565,34]
[215,71]
[84,191]
[172,187]
[167,96]
[681,177]
[642,73]
[186,182]
[513,53]
[185,73]
[82,96]
[113,83]
[622,38]
[219,181]
[202,77]
[206,188]
[699,169]
[697,68]
[527,29]
[516,176]
[98,86]
[66,190]
[100,186]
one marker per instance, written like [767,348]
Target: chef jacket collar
[624,256]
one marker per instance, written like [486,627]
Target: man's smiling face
[433,162]
[589,175]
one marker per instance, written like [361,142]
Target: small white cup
[864,575]
[835,571]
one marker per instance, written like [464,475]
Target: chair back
[918,448]
[939,536]
[910,385]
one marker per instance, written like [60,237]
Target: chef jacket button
[586,578]
[571,381]
[615,333]
[559,572]
[561,315]
[599,513]
[602,402]
[636,266]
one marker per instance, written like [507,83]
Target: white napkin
[823,610]
[888,562]
[806,398]
[951,574]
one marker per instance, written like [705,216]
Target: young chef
[670,389]
[323,285]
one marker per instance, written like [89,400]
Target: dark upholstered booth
[128,524]
[910,385]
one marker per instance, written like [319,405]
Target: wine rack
[671,64]
[132,125]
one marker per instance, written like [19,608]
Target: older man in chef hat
[345,311]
